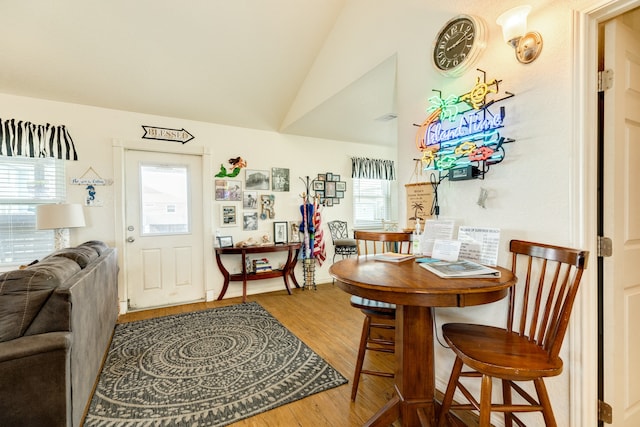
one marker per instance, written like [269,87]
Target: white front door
[164,228]
[621,222]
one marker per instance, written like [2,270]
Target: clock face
[458,45]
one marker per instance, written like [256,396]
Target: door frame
[119,149]
[583,336]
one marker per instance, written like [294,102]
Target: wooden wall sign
[164,134]
[419,201]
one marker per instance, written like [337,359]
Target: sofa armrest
[35,372]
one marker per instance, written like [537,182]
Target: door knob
[130,239]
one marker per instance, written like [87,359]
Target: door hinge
[605,80]
[605,412]
[605,246]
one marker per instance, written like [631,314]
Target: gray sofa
[56,321]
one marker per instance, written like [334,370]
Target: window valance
[365,168]
[20,138]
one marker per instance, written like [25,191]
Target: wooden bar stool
[527,349]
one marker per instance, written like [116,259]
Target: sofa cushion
[82,255]
[97,245]
[24,292]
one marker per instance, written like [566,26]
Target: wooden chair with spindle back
[379,316]
[527,349]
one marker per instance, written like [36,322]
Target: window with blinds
[371,202]
[26,182]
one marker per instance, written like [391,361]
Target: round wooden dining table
[415,291]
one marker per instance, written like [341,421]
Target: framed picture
[225,241]
[341,186]
[280,232]
[228,190]
[228,216]
[336,178]
[330,189]
[329,176]
[250,221]
[322,177]
[250,200]
[318,185]
[340,194]
[256,180]
[279,179]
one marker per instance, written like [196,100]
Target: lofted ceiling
[238,63]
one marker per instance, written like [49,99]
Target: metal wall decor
[329,188]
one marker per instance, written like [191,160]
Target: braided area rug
[206,368]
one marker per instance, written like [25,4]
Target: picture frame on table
[280,232]
[228,216]
[225,241]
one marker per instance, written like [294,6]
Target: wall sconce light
[59,218]
[528,45]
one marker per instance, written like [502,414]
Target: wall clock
[459,44]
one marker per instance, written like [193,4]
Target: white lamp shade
[59,216]
[514,22]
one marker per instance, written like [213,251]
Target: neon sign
[462,130]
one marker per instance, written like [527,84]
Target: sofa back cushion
[24,292]
[82,255]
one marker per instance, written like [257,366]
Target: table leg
[414,402]
[244,276]
[226,275]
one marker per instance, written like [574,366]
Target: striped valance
[19,138]
[365,168]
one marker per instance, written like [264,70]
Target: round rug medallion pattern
[207,368]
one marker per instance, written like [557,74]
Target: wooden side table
[288,271]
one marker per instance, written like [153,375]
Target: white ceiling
[233,62]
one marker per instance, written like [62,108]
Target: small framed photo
[257,179]
[225,241]
[330,189]
[341,186]
[228,216]
[280,232]
[328,202]
[329,176]
[336,178]
[250,220]
[250,199]
[279,179]
[228,190]
[318,185]
[322,177]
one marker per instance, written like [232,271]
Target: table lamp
[60,218]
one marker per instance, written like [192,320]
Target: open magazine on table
[460,269]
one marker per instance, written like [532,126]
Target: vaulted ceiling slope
[238,63]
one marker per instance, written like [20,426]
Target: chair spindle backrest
[377,242]
[552,278]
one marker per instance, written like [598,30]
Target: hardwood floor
[326,322]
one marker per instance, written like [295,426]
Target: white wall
[94,130]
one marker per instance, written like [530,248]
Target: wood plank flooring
[326,322]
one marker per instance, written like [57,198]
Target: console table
[288,271]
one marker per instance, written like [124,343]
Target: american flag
[319,251]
